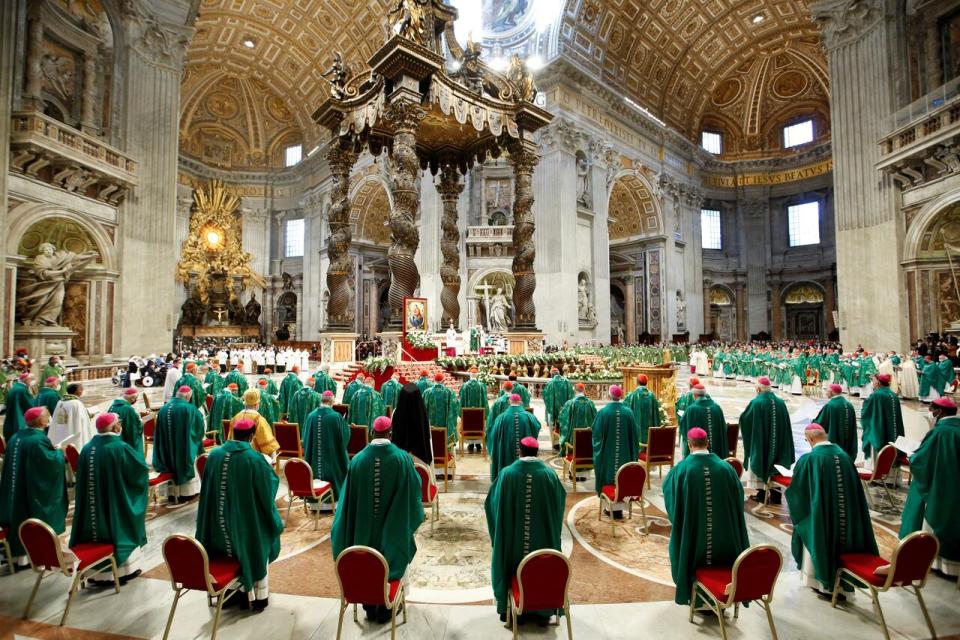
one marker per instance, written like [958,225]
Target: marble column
[630,311]
[776,331]
[450,188]
[341,162]
[524,159]
[89,96]
[741,311]
[34,76]
[9,17]
[706,307]
[829,304]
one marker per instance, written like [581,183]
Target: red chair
[191,569]
[8,553]
[288,437]
[541,582]
[209,402]
[579,454]
[72,454]
[201,465]
[342,409]
[908,567]
[154,482]
[733,437]
[149,427]
[736,464]
[774,482]
[364,578]
[46,555]
[301,485]
[627,487]
[473,426]
[428,492]
[442,455]
[359,438]
[661,449]
[752,577]
[882,466]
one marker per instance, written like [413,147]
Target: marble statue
[620,337]
[40,296]
[499,313]
[583,180]
[336,75]
[252,311]
[681,311]
[583,299]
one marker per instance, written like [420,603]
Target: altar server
[71,419]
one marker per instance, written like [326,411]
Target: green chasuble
[178,440]
[881,420]
[524,514]
[289,386]
[215,382]
[381,506]
[323,382]
[499,406]
[706,414]
[366,405]
[839,419]
[389,391]
[48,398]
[33,485]
[473,395]
[131,423]
[236,377]
[829,511]
[929,377]
[767,435]
[19,399]
[443,410]
[523,392]
[704,501]
[577,413]
[237,515]
[271,387]
[933,495]
[503,441]
[225,406]
[199,396]
[111,496]
[681,404]
[303,402]
[351,389]
[555,395]
[423,383]
[57,372]
[269,408]
[646,410]
[945,378]
[615,442]
[325,436]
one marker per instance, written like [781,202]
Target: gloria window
[710,229]
[293,238]
[803,221]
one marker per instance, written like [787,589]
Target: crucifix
[485,287]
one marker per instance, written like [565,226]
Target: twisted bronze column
[524,160]
[450,188]
[341,162]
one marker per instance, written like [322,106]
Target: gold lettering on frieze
[590,110]
[763,179]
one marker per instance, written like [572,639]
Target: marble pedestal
[41,342]
[519,342]
[338,348]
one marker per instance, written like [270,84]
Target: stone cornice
[156,38]
[845,21]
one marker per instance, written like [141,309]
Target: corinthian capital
[160,42]
[843,21]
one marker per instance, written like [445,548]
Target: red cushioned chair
[908,567]
[364,578]
[342,409]
[541,582]
[627,487]
[7,552]
[149,428]
[191,569]
[428,492]
[660,451]
[46,558]
[3,450]
[752,577]
[773,482]
[302,486]
[442,454]
[579,454]
[473,426]
[72,454]
[736,464]
[154,482]
[882,466]
[359,438]
[209,402]
[201,465]
[288,437]
[733,438]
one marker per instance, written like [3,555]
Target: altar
[220,331]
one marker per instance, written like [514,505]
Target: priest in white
[171,382]
[909,380]
[70,423]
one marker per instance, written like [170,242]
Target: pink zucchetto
[382,424]
[52,380]
[184,389]
[530,442]
[699,387]
[130,391]
[244,425]
[883,378]
[24,377]
[945,403]
[515,398]
[106,420]
[327,394]
[33,414]
[836,388]
[616,392]
[813,426]
[697,434]
[763,381]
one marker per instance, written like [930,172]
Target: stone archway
[633,211]
[723,314]
[803,311]
[931,267]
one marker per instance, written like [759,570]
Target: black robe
[411,428]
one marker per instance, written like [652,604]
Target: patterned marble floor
[621,586]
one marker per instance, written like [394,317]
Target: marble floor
[621,586]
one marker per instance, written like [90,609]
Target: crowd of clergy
[378,499]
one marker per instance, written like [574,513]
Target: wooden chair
[359,438]
[661,449]
[428,492]
[7,552]
[302,485]
[442,455]
[364,578]
[46,558]
[288,437]
[908,568]
[752,577]
[733,438]
[192,569]
[579,454]
[627,487]
[473,426]
[882,466]
[209,403]
[342,409]
[541,582]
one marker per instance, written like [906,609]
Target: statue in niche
[192,311]
[287,281]
[336,75]
[40,296]
[583,180]
[620,336]
[499,312]
[287,308]
[236,312]
[252,311]
[681,312]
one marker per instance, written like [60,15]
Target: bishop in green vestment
[303,402]
[681,404]
[214,382]
[499,405]
[325,435]
[323,382]
[555,395]
[880,416]
[473,394]
[199,396]
[268,407]
[236,377]
[839,419]
[390,391]
[443,408]
[381,505]
[112,495]
[49,395]
[503,440]
[706,414]
[704,502]
[423,382]
[131,424]
[237,516]
[352,387]
[225,405]
[33,484]
[520,390]
[177,442]
[767,436]
[947,375]
[19,400]
[933,502]
[616,439]
[929,379]
[366,405]
[524,514]
[829,511]
[54,369]
[645,407]
[288,387]
[578,412]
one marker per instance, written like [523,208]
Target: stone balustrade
[490,234]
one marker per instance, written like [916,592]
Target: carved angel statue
[522,79]
[408,19]
[337,76]
[470,71]
[40,294]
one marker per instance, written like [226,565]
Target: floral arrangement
[484,377]
[664,416]
[420,340]
[378,365]
[610,359]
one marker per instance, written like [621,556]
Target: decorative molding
[845,21]
[158,42]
